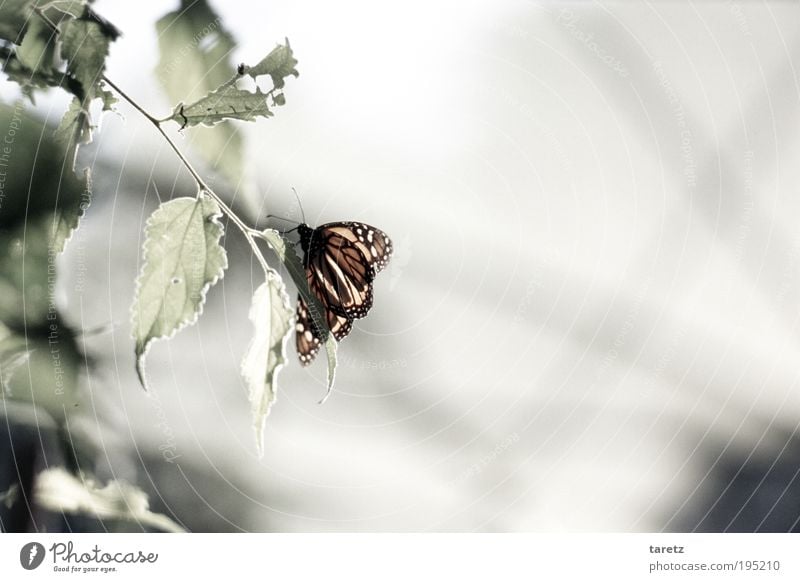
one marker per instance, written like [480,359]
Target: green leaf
[10,496]
[45,366]
[74,130]
[13,354]
[272,318]
[68,216]
[194,59]
[41,193]
[330,350]
[294,266]
[182,259]
[80,9]
[108,98]
[278,64]
[227,102]
[14,17]
[84,45]
[57,490]
[27,79]
[37,51]
[194,51]
[73,8]
[230,101]
[24,294]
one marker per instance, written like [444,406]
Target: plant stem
[201,184]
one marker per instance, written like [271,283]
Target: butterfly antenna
[281,218]
[302,212]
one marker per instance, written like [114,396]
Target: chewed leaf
[57,490]
[294,266]
[231,101]
[278,64]
[272,318]
[227,102]
[182,259]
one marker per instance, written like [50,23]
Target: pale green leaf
[194,59]
[27,79]
[194,51]
[68,216]
[230,101]
[10,496]
[330,350]
[37,51]
[13,354]
[288,257]
[272,318]
[73,8]
[42,369]
[108,98]
[182,259]
[74,130]
[14,17]
[227,102]
[84,45]
[59,491]
[278,64]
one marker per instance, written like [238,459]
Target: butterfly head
[305,233]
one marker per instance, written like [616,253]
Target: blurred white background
[590,321]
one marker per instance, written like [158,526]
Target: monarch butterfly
[341,259]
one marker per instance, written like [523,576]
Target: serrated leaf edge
[140,355]
[281,250]
[259,422]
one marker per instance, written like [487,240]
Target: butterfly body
[341,260]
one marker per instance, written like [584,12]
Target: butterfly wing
[308,337]
[372,243]
[342,260]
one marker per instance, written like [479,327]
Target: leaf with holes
[278,64]
[227,102]
[272,318]
[230,101]
[182,259]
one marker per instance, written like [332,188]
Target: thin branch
[135,105]
[201,184]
